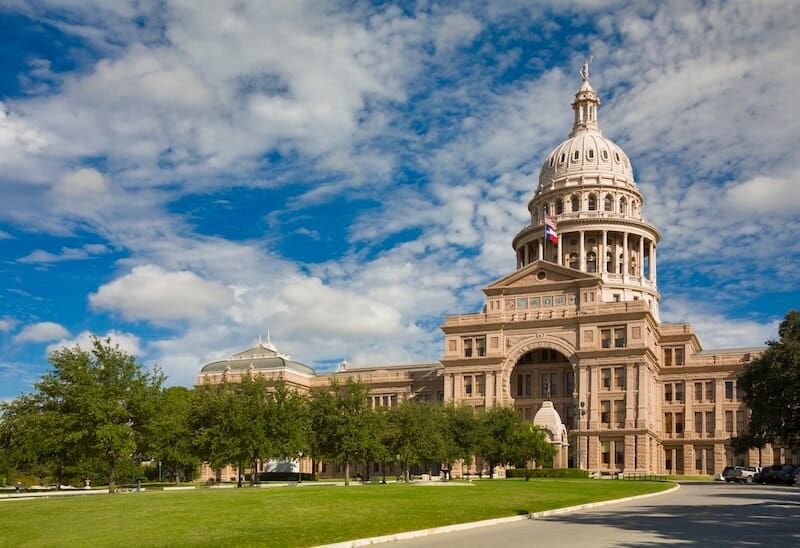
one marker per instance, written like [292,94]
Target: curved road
[697,514]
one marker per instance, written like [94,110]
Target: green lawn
[286,516]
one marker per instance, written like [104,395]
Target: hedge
[547,473]
[284,476]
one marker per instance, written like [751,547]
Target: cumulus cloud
[153,294]
[7,324]
[761,194]
[41,332]
[716,330]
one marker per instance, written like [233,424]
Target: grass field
[286,516]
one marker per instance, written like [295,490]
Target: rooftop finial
[585,69]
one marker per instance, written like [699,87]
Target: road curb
[487,522]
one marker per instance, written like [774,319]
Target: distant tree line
[99,414]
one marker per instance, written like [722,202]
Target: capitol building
[573,334]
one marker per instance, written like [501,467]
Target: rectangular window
[605,412]
[710,423]
[619,454]
[729,390]
[729,421]
[570,383]
[668,423]
[619,413]
[698,392]
[467,348]
[741,426]
[480,380]
[480,343]
[698,460]
[679,391]
[668,393]
[698,422]
[667,357]
[679,356]
[606,453]
[619,337]
[710,460]
[519,385]
[619,377]
[605,374]
[679,423]
[528,385]
[605,338]
[710,392]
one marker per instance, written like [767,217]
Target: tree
[771,385]
[340,418]
[529,443]
[461,433]
[498,426]
[93,405]
[417,434]
[169,438]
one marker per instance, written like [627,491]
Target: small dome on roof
[262,357]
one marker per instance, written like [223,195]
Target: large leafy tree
[417,434]
[461,431]
[342,424]
[498,427]
[529,443]
[92,406]
[771,385]
[170,437]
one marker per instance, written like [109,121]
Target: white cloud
[455,29]
[7,324]
[128,342]
[716,330]
[761,194]
[154,294]
[41,332]
[65,254]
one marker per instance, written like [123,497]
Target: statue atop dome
[585,69]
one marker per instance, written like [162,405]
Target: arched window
[605,155]
[573,261]
[576,155]
[576,203]
[634,270]
[623,205]
[563,157]
[592,202]
[609,262]
[634,208]
[591,262]
[608,203]
[621,268]
[591,154]
[559,206]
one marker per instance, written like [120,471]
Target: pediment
[539,274]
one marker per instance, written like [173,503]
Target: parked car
[727,473]
[769,474]
[744,474]
[788,474]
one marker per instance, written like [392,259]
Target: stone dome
[262,357]
[587,152]
[547,419]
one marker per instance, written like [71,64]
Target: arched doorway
[538,374]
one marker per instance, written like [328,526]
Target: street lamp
[299,470]
[579,412]
[159,471]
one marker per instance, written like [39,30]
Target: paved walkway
[698,514]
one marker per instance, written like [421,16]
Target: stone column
[630,453]
[559,258]
[489,401]
[625,256]
[688,459]
[581,252]
[642,454]
[603,251]
[630,377]
[641,413]
[653,264]
[641,259]
[541,253]
[719,415]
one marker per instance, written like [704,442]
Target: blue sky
[183,176]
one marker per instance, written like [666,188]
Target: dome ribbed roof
[261,357]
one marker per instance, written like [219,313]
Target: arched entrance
[540,374]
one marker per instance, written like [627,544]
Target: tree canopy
[771,385]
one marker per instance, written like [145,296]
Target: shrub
[284,476]
[547,473]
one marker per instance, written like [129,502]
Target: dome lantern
[585,105]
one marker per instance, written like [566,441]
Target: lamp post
[159,471]
[299,471]
[579,412]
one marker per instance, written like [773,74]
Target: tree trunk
[347,473]
[239,469]
[112,476]
[177,473]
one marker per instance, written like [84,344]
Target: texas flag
[550,232]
